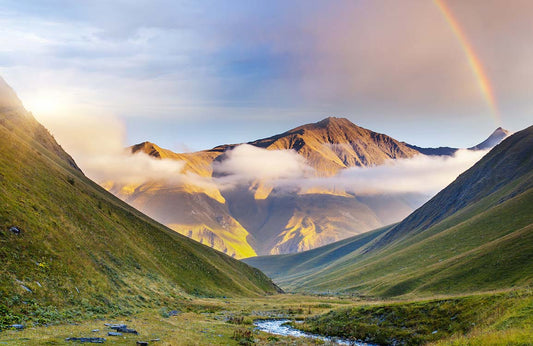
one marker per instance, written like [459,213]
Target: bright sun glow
[47,104]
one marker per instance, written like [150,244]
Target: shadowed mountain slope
[65,241]
[474,235]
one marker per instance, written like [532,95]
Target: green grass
[200,321]
[504,316]
[83,251]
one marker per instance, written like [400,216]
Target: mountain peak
[334,120]
[331,122]
[501,130]
[335,143]
[147,148]
[494,139]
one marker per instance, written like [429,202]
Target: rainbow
[473,60]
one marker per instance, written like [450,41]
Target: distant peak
[500,130]
[494,139]
[146,144]
[333,121]
[147,148]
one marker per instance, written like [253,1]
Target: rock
[91,340]
[26,288]
[115,326]
[15,230]
[142,343]
[17,326]
[95,330]
[174,313]
[114,334]
[127,330]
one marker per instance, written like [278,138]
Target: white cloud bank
[247,163]
[97,144]
[286,169]
[420,174]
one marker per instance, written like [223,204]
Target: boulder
[90,340]
[127,330]
[14,229]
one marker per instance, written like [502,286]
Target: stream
[278,327]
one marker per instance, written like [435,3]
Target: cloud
[285,170]
[420,174]
[98,146]
[246,163]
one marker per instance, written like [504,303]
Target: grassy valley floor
[497,318]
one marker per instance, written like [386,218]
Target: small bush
[243,336]
[239,320]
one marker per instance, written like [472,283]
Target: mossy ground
[498,318]
[502,318]
[201,321]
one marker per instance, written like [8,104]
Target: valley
[266,173]
[76,259]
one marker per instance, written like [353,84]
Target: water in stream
[279,327]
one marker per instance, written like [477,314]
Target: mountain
[66,242]
[440,151]
[475,235]
[336,143]
[254,218]
[494,139]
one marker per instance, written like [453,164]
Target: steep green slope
[80,246]
[474,235]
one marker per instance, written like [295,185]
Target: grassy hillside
[79,246]
[475,235]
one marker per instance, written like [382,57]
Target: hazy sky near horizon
[190,75]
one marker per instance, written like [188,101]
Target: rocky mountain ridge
[256,218]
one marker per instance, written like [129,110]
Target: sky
[190,75]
